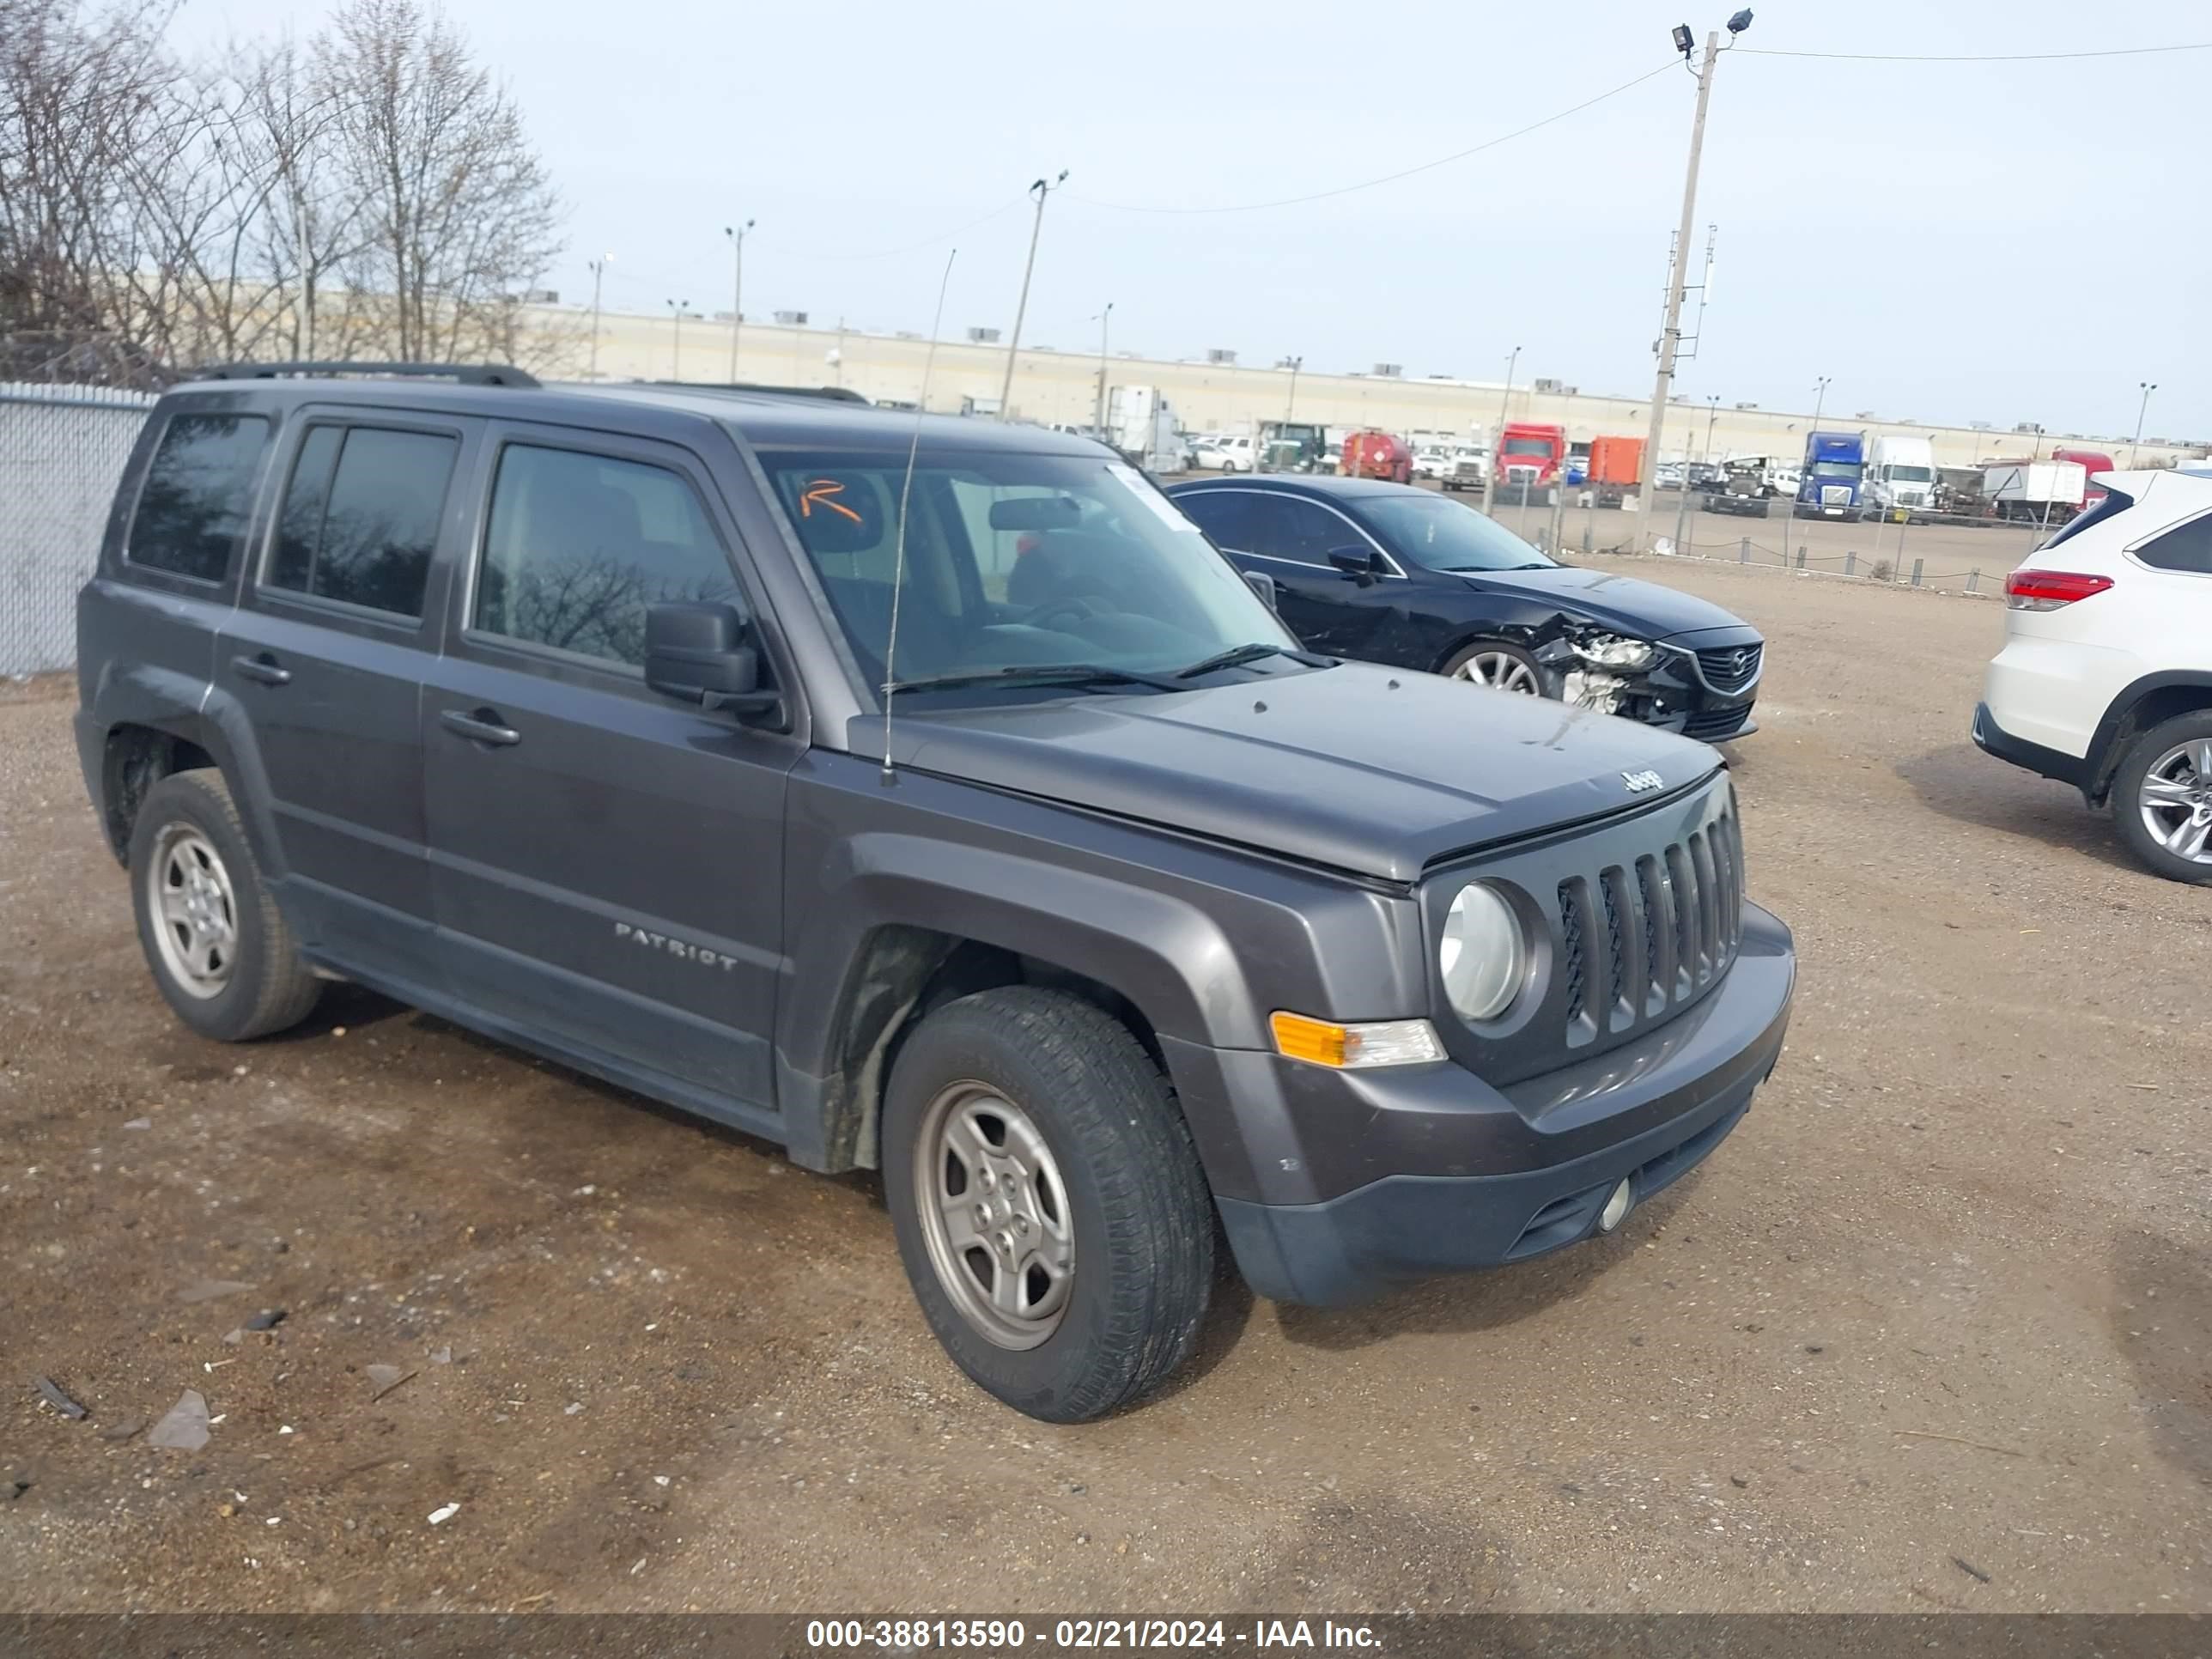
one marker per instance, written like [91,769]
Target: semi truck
[1369,454]
[1531,457]
[1833,476]
[1291,446]
[1612,467]
[1900,475]
[1142,426]
[2092,462]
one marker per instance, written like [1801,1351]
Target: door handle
[264,668]
[483,726]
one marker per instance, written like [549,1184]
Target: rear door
[608,862]
[326,651]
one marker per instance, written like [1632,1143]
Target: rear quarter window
[2186,547]
[198,495]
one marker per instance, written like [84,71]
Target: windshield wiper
[1053,673]
[1239,654]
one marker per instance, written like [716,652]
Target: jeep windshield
[1031,570]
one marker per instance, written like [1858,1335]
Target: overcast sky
[1949,241]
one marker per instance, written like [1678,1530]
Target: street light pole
[676,308]
[1041,189]
[1670,333]
[1497,438]
[598,268]
[1290,403]
[1713,403]
[2144,409]
[737,236]
[1105,322]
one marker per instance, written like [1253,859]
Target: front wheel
[2162,798]
[1501,667]
[1049,1208]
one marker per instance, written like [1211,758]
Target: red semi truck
[1530,457]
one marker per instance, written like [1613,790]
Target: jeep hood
[1363,769]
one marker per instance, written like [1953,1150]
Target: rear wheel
[1048,1204]
[221,954]
[2162,798]
[1499,666]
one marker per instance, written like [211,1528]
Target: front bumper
[1673,694]
[1362,1181]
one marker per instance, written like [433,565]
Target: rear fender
[188,707]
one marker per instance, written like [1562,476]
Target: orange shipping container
[1615,460]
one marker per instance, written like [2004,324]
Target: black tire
[267,987]
[1457,662]
[2127,796]
[1141,1213]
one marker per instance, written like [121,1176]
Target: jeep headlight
[1483,955]
[1615,650]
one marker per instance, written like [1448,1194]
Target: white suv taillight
[2047,590]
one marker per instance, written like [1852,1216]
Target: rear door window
[2186,547]
[198,495]
[360,521]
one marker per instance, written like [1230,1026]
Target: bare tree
[457,210]
[81,101]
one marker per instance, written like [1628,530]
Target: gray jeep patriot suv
[922,794]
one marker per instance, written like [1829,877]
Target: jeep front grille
[1638,941]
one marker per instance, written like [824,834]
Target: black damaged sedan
[1389,574]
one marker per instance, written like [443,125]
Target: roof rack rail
[467,373]
[836,394]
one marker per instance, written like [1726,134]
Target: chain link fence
[62,450]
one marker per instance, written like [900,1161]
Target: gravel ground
[1932,1330]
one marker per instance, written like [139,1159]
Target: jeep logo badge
[1638,782]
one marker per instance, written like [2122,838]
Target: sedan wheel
[1501,670]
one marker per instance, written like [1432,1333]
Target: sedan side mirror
[1264,585]
[1363,562]
[696,652]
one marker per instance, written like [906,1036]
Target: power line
[1392,178]
[1977,56]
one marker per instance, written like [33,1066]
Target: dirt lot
[1933,1330]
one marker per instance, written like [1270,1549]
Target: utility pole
[675,309]
[1105,322]
[1671,332]
[737,236]
[598,269]
[1713,403]
[1041,189]
[2144,409]
[1498,438]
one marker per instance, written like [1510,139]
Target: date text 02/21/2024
[1005,1635]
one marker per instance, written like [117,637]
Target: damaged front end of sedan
[1662,683]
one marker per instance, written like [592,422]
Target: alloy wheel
[2176,801]
[1501,672]
[994,1215]
[195,910]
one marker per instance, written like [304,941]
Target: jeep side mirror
[695,652]
[1264,585]
[1363,562]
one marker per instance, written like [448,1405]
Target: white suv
[2106,678]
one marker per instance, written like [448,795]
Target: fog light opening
[1617,1205]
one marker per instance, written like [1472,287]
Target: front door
[325,652]
[607,862]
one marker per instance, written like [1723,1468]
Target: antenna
[906,495]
